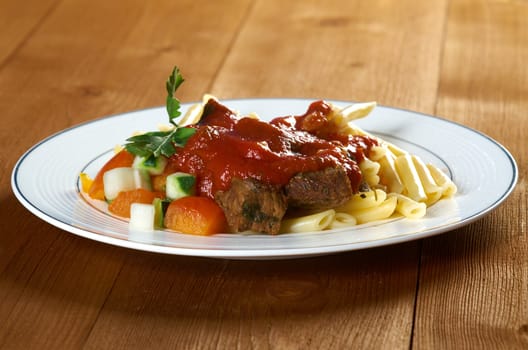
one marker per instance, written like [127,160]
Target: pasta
[400,183]
[447,186]
[343,220]
[364,200]
[431,188]
[389,176]
[369,170]
[380,212]
[313,222]
[408,207]
[412,183]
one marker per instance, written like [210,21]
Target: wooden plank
[53,290]
[474,281]
[387,52]
[362,299]
[19,23]
[86,60]
[339,301]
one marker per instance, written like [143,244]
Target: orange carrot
[159,182]
[121,204]
[121,159]
[196,215]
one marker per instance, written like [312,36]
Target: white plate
[45,180]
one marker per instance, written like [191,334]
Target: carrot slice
[121,159]
[195,215]
[159,182]
[121,204]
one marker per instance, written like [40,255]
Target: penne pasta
[383,211]
[364,200]
[313,222]
[369,170]
[432,190]
[357,110]
[413,187]
[343,220]
[192,116]
[448,187]
[396,150]
[388,174]
[194,113]
[378,152]
[408,207]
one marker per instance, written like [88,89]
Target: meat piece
[319,190]
[252,205]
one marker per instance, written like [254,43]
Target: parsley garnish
[173,105]
[156,143]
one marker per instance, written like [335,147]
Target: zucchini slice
[180,185]
[154,165]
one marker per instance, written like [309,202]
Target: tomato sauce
[226,146]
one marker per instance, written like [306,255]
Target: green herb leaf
[156,143]
[150,144]
[173,104]
[181,135]
[173,108]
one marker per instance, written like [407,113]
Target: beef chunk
[252,205]
[319,190]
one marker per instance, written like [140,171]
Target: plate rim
[257,254]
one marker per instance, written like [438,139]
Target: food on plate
[217,171]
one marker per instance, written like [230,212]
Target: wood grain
[327,302]
[19,24]
[473,291]
[66,62]
[340,50]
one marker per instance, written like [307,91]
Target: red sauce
[226,146]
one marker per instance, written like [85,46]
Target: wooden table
[66,62]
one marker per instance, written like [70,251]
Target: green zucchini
[160,207]
[180,185]
[154,165]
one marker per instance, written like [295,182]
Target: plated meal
[213,170]
[484,172]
